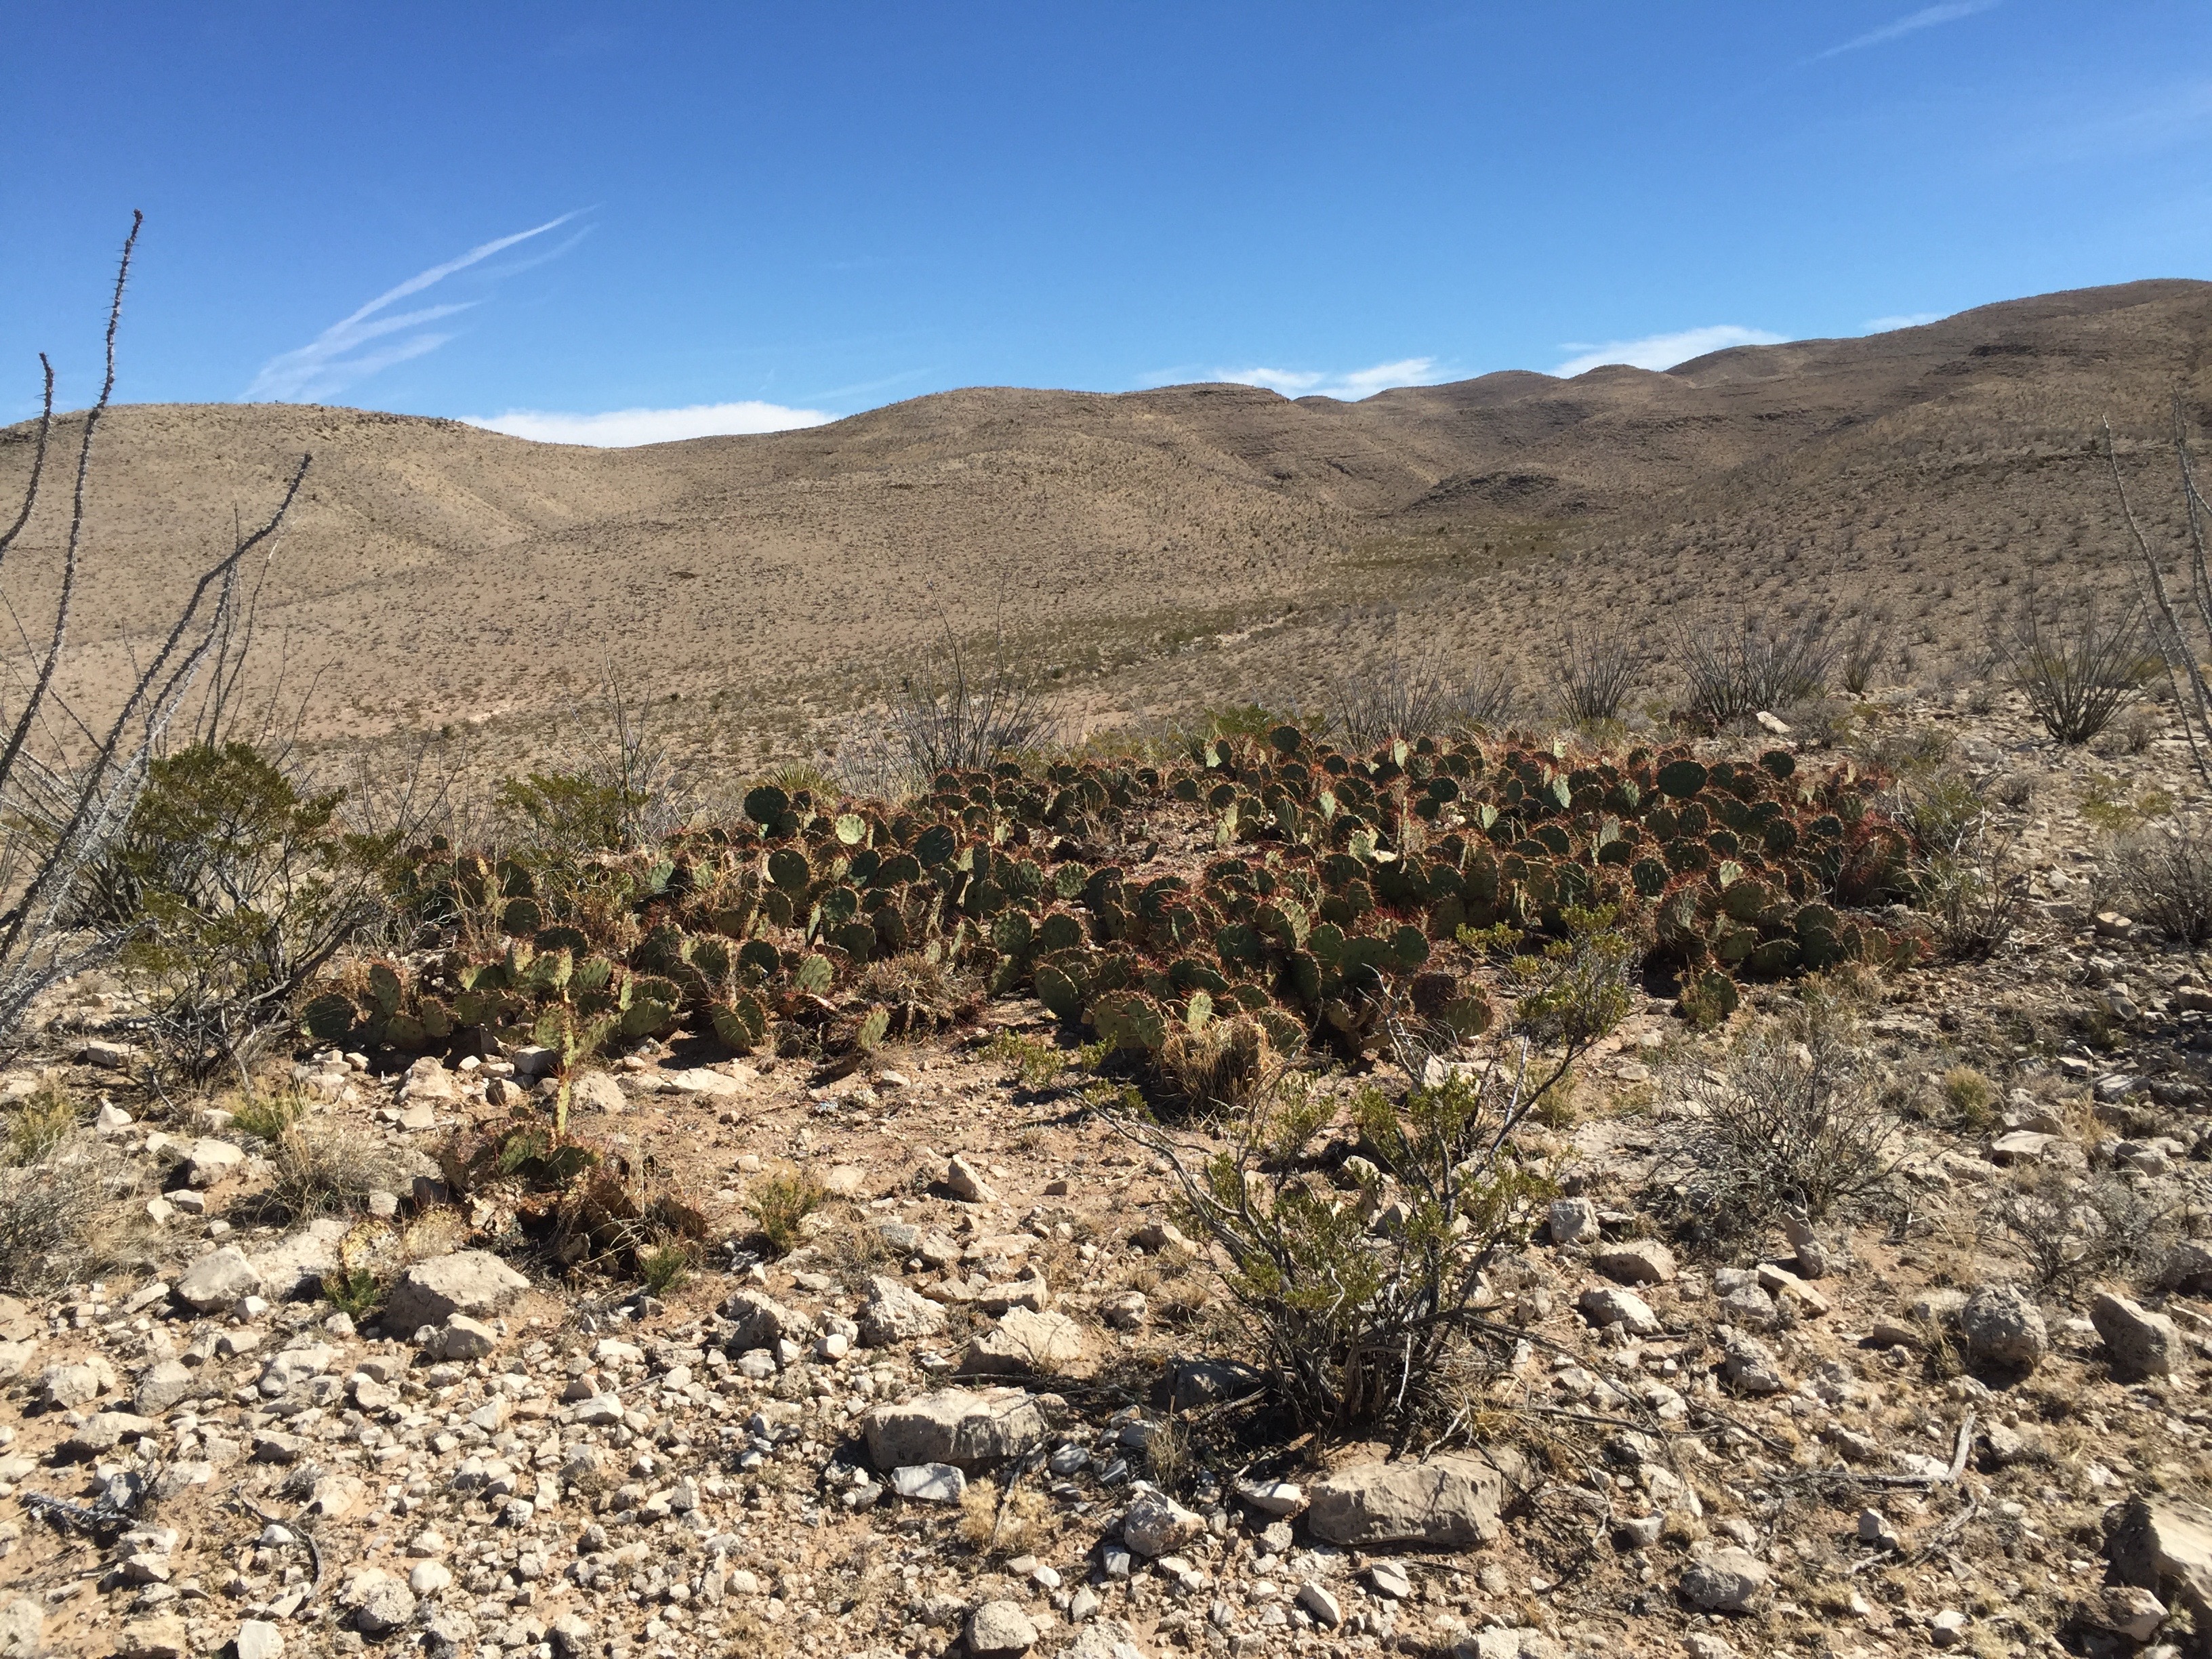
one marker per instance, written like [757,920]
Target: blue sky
[623,222]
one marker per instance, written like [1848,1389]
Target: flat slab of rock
[761,1321]
[297,1265]
[965,1427]
[1727,1581]
[1448,1501]
[1607,1305]
[473,1282]
[929,1482]
[1156,1523]
[2163,1545]
[1023,1342]
[1636,1261]
[217,1279]
[895,1313]
[2142,1343]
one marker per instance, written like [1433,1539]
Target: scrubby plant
[63,802]
[1595,667]
[1036,1063]
[1861,650]
[1221,1066]
[1792,1122]
[1397,697]
[2072,1230]
[1360,1325]
[2163,878]
[41,1120]
[242,884]
[662,1269]
[268,1116]
[320,1169]
[963,709]
[1738,670]
[62,1217]
[779,1202]
[2077,656]
[1974,903]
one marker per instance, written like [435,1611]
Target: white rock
[929,1482]
[217,1279]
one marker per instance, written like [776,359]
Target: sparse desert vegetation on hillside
[1272,1126]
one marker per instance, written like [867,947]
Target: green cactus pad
[1681,779]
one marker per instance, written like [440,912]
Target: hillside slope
[434,572]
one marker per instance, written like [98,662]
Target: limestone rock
[155,1638]
[1811,1255]
[297,1265]
[23,1628]
[597,1092]
[66,1387]
[1727,1581]
[964,1427]
[258,1638]
[1023,1342]
[1156,1524]
[217,1279]
[463,1338]
[1000,1628]
[2135,1613]
[2165,1542]
[763,1322]
[1450,1501]
[2004,1328]
[929,1482]
[382,1604]
[1103,1639]
[2142,1343]
[209,1160]
[473,1282]
[1573,1221]
[428,1079]
[1636,1261]
[894,1313]
[2188,1268]
[966,1183]
[1750,1364]
[162,1385]
[1607,1304]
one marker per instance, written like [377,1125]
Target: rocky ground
[988,1405]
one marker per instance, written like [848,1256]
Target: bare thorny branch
[59,812]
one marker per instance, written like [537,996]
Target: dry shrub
[46,1117]
[1791,1123]
[2079,658]
[1595,669]
[2164,878]
[2073,1230]
[1735,671]
[1972,1097]
[61,1218]
[1406,698]
[921,995]
[1224,1066]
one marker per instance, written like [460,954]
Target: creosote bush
[2163,878]
[1361,1326]
[1792,1122]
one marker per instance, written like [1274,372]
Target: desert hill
[1158,547]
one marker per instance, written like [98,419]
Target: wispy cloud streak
[1350,387]
[623,428]
[334,358]
[1926,17]
[1663,350]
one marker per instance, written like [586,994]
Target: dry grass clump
[46,1117]
[1791,1123]
[325,1169]
[1972,1097]
[61,1217]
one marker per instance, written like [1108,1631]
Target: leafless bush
[1791,1123]
[1975,902]
[1862,650]
[2078,657]
[2073,1230]
[1402,698]
[61,1218]
[1737,670]
[2163,877]
[960,712]
[70,776]
[2182,634]
[1595,669]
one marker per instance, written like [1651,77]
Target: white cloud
[1663,350]
[1926,18]
[323,367]
[620,428]
[1353,386]
[1908,319]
